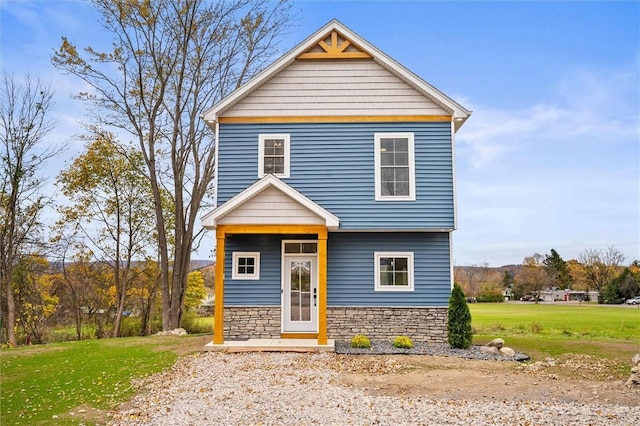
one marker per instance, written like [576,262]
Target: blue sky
[550,157]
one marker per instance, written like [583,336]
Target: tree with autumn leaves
[108,209]
[171,60]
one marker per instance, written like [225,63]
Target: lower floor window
[393,271]
[246,266]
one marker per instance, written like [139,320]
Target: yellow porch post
[218,326]
[322,287]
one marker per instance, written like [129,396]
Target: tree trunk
[11,315]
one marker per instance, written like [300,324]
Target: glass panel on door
[300,300]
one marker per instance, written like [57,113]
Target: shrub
[360,341]
[536,328]
[129,327]
[490,298]
[459,321]
[402,342]
[191,324]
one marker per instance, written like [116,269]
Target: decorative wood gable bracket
[335,46]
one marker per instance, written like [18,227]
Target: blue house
[335,197]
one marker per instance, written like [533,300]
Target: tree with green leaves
[171,60]
[25,108]
[557,270]
[109,208]
[623,287]
[459,321]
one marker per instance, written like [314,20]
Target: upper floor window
[273,155]
[395,167]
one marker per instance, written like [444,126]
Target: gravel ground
[305,389]
[435,349]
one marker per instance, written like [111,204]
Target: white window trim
[376,259]
[287,153]
[244,254]
[412,168]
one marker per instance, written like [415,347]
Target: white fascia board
[209,220]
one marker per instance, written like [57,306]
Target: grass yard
[557,320]
[43,383]
[544,330]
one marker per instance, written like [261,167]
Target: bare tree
[172,59]
[472,277]
[25,108]
[532,278]
[600,267]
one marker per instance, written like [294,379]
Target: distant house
[207,304]
[335,197]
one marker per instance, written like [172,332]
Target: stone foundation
[378,323]
[385,323]
[252,322]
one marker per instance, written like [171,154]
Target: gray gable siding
[350,264]
[350,269]
[333,165]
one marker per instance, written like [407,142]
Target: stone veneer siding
[378,323]
[252,322]
[385,323]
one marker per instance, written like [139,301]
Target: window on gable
[395,167]
[273,155]
[246,266]
[393,271]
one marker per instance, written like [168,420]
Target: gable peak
[334,45]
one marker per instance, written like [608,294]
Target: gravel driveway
[298,389]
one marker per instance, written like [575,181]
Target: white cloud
[602,108]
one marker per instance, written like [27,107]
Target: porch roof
[270,201]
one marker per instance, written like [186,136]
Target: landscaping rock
[634,379]
[496,343]
[174,332]
[491,350]
[508,352]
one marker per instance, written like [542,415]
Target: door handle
[315,295]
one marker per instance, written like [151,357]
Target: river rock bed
[419,348]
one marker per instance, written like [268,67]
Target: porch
[271,207]
[271,345]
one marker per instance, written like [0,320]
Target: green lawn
[43,383]
[557,320]
[608,333]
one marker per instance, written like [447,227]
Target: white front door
[300,294]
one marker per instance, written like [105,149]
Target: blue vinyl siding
[350,275]
[350,269]
[262,292]
[333,164]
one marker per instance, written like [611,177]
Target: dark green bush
[459,321]
[490,298]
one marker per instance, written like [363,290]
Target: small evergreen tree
[459,322]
